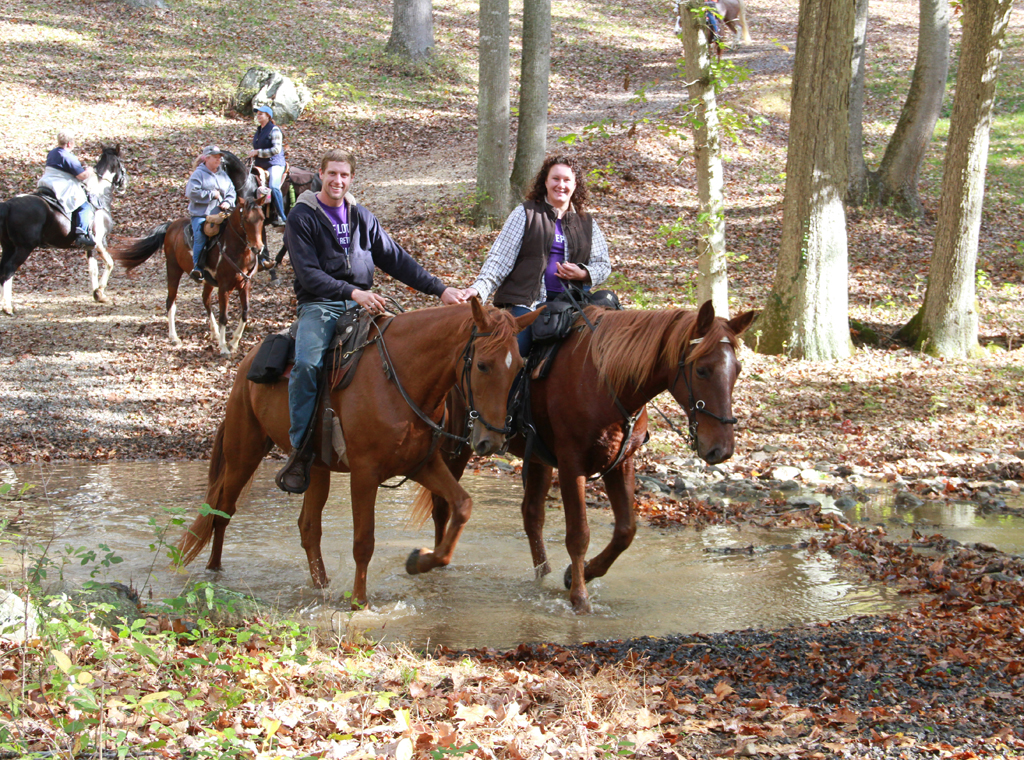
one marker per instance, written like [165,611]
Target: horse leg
[436,477]
[619,484]
[538,483]
[364,500]
[236,336]
[99,283]
[240,465]
[174,273]
[13,257]
[310,525]
[215,332]
[743,23]
[577,534]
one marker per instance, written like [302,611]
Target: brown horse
[390,414]
[233,259]
[632,357]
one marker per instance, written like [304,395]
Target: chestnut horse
[590,413]
[391,415]
[233,258]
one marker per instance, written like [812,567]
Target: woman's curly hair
[538,190]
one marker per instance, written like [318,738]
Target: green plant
[616,746]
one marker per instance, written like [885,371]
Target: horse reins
[697,406]
[247,277]
[438,431]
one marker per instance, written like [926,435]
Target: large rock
[18,618]
[263,86]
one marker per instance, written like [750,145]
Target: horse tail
[422,507]
[137,252]
[201,530]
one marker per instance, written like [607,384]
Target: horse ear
[705,317]
[739,324]
[528,319]
[483,321]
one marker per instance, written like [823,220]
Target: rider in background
[546,241]
[209,190]
[66,177]
[268,153]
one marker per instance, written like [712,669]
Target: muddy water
[667,582]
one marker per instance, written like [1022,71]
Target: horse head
[250,215]
[111,168]
[490,362]
[704,380]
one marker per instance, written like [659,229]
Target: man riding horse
[67,178]
[209,190]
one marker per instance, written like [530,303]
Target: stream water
[667,582]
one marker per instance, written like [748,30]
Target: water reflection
[665,583]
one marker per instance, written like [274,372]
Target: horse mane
[629,345]
[504,328]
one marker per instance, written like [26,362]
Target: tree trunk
[712,275]
[806,313]
[492,141]
[857,185]
[947,323]
[412,30]
[897,178]
[532,135]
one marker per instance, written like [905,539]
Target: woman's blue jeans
[276,177]
[198,239]
[312,338]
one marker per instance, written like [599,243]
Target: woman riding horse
[31,220]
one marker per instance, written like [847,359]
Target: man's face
[336,178]
[213,162]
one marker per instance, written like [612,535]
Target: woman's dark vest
[263,140]
[523,284]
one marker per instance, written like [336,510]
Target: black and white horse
[29,221]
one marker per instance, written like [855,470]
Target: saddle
[213,228]
[300,176]
[50,198]
[560,320]
[276,355]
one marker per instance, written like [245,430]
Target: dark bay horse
[634,355]
[296,182]
[423,355]
[233,258]
[28,221]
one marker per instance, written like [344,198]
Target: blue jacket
[323,272]
[268,142]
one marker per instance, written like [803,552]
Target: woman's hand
[452,296]
[251,154]
[567,271]
[470,292]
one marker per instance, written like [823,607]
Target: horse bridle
[697,406]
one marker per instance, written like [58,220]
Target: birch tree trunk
[947,323]
[412,30]
[492,140]
[532,134]
[898,175]
[857,184]
[712,275]
[806,315]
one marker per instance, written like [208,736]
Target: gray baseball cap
[211,150]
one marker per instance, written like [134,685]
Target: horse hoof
[100,296]
[567,578]
[412,564]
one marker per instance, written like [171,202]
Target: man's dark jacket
[323,272]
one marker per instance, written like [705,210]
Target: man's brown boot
[294,476]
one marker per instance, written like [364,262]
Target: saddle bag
[554,323]
[211,227]
[272,358]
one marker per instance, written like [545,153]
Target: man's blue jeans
[312,337]
[198,239]
[83,219]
